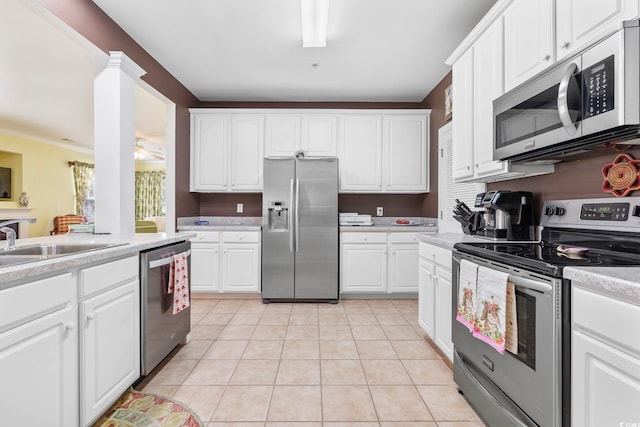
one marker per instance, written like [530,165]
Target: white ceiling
[46,82]
[230,50]
[251,50]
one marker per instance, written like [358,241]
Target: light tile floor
[359,363]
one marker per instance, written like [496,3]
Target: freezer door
[316,269]
[277,241]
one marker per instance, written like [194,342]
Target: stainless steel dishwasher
[161,330]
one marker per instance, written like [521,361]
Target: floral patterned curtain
[82,180]
[149,197]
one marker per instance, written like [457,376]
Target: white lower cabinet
[434,296]
[241,267]
[228,261]
[426,297]
[39,353]
[377,262]
[605,360]
[205,262]
[109,334]
[363,267]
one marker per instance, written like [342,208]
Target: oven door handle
[531,284]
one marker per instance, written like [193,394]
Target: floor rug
[138,409]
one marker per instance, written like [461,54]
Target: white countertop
[618,282]
[219,227]
[132,244]
[391,228]
[220,223]
[447,240]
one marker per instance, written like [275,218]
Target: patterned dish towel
[467,293]
[179,282]
[491,307]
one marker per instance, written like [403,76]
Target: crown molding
[48,141]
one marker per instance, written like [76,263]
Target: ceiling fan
[146,149]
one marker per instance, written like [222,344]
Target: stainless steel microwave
[590,100]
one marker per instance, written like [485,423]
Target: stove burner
[545,258]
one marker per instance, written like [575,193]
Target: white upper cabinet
[582,21]
[463,142]
[226,152]
[487,86]
[388,152]
[528,39]
[209,144]
[360,152]
[320,135]
[282,135]
[378,150]
[314,134]
[405,152]
[247,142]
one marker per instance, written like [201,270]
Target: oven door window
[538,115]
[526,314]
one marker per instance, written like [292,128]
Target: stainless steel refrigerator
[300,229]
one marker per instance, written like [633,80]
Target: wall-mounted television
[5,183]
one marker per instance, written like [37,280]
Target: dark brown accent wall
[224,204]
[575,178]
[91,22]
[435,101]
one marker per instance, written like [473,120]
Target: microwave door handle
[563,101]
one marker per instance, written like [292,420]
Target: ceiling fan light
[315,17]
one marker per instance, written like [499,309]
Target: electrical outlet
[379,211]
[239,208]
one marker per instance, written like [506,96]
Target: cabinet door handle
[565,45]
[546,58]
[70,326]
[365,239]
[91,316]
[469,167]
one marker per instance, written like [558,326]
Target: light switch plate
[379,211]
[239,207]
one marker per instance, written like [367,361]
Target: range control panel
[605,211]
[597,214]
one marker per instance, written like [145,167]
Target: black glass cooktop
[545,257]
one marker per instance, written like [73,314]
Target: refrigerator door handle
[291,207]
[297,214]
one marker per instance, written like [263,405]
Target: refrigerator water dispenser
[278,216]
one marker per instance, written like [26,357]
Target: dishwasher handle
[165,261]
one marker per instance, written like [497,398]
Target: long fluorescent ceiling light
[315,16]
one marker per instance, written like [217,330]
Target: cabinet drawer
[241,237]
[207,236]
[373,237]
[27,301]
[436,254]
[611,314]
[100,277]
[403,237]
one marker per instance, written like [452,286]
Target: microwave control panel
[598,88]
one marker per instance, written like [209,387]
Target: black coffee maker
[508,215]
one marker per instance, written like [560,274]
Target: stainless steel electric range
[532,387]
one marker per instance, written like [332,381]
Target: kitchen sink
[53,250]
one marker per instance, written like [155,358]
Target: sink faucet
[11,233]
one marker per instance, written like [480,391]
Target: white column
[114,140]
